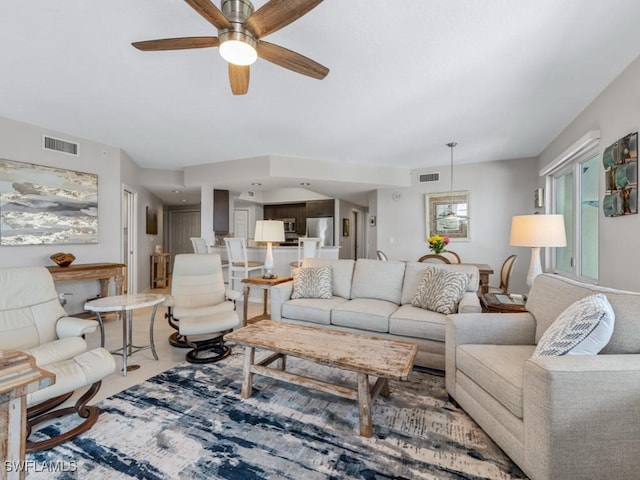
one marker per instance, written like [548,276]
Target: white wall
[497,191]
[23,143]
[616,112]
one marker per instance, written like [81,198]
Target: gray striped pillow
[441,290]
[312,282]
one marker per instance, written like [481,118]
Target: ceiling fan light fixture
[238,48]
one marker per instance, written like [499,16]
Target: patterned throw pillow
[312,282]
[441,290]
[584,328]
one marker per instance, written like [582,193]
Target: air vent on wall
[429,177]
[58,145]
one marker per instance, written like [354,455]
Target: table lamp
[269,231]
[537,231]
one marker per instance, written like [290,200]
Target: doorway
[128,252]
[241,223]
[183,224]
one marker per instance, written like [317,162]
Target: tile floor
[168,355]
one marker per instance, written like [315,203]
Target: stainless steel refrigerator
[321,227]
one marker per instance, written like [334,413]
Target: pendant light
[452,221]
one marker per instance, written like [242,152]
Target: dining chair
[381,255]
[308,247]
[239,265]
[199,245]
[433,258]
[505,275]
[453,257]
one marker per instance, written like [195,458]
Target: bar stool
[239,265]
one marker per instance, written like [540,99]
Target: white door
[128,255]
[182,226]
[241,223]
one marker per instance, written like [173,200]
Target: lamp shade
[269,231]
[538,231]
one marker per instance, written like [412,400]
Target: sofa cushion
[312,282]
[440,290]
[498,370]
[316,310]
[379,280]
[414,271]
[551,294]
[410,321]
[364,314]
[583,328]
[341,274]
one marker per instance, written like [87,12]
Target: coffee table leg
[364,405]
[247,375]
[151,342]
[245,305]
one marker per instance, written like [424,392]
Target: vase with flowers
[437,243]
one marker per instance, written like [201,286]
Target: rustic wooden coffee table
[362,354]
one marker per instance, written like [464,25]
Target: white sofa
[374,297]
[558,417]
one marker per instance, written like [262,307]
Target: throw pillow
[441,290]
[312,282]
[584,328]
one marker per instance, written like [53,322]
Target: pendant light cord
[451,145]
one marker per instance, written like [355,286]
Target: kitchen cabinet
[320,208]
[221,211]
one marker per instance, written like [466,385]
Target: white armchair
[33,321]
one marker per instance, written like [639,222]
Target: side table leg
[101,329]
[123,316]
[247,375]
[151,342]
[364,405]
[265,296]
[245,305]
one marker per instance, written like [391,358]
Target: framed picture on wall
[43,205]
[152,221]
[447,214]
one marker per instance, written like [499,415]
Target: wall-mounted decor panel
[620,161]
[47,205]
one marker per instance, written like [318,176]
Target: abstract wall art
[42,205]
[620,161]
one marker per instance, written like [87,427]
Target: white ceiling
[500,77]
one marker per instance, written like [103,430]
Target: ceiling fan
[240,33]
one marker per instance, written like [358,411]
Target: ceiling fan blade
[276,14]
[291,60]
[210,12]
[176,43]
[239,78]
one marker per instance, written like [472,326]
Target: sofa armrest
[484,328]
[278,295]
[586,407]
[470,303]
[75,327]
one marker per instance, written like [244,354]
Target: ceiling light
[177,191]
[256,184]
[238,48]
[184,200]
[305,184]
[451,216]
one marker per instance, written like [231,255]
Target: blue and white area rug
[190,423]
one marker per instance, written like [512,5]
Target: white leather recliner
[33,321]
[199,305]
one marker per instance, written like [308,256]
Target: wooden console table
[91,271]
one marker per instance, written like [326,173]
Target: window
[574,182]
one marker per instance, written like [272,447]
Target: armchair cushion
[75,327]
[583,328]
[57,350]
[312,282]
[440,290]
